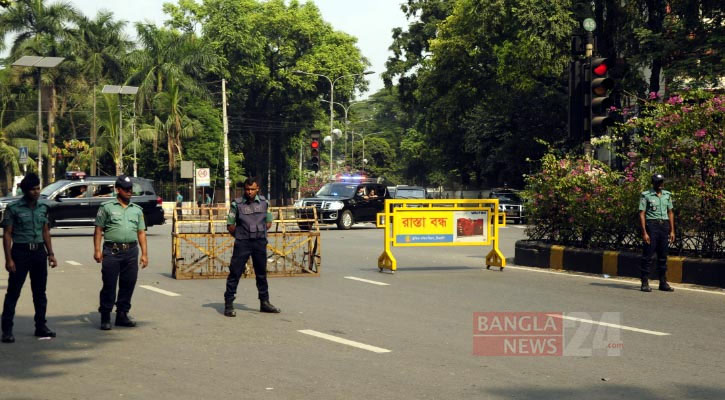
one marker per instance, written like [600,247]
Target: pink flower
[686,109]
[700,132]
[711,172]
[652,95]
[612,108]
[676,99]
[577,189]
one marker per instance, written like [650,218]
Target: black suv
[345,203]
[510,202]
[75,201]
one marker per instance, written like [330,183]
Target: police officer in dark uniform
[248,221]
[122,226]
[26,241]
[658,229]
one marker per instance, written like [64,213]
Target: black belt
[116,247]
[658,221]
[29,246]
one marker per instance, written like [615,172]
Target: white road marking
[157,290]
[344,341]
[618,279]
[519,226]
[367,281]
[623,327]
[71,262]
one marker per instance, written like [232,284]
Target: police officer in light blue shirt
[657,221]
[28,250]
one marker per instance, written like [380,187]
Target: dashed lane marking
[367,281]
[607,324]
[71,262]
[336,339]
[157,290]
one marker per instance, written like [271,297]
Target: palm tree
[101,45]
[40,30]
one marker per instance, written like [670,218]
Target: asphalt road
[420,326]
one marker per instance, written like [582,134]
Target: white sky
[371,21]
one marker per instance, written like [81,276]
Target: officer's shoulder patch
[135,205]
[645,193]
[666,192]
[105,203]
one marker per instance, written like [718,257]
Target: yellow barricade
[424,223]
[202,248]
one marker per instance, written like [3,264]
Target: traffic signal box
[599,101]
[314,163]
[589,97]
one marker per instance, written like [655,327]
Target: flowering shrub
[575,201]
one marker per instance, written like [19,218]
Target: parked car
[510,203]
[409,192]
[74,201]
[344,204]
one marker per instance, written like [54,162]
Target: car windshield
[410,194]
[337,190]
[48,190]
[507,197]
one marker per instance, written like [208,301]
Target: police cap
[124,182]
[658,178]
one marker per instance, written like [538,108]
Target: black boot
[8,337]
[105,321]
[122,319]
[664,286]
[229,308]
[266,307]
[43,331]
[645,285]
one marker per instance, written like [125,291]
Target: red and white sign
[203,177]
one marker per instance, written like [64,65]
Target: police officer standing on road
[658,229]
[248,221]
[26,241]
[122,225]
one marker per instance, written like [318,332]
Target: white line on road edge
[71,262]
[623,327]
[162,291]
[614,278]
[367,281]
[344,341]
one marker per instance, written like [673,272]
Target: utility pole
[226,143]
[133,130]
[299,179]
[93,135]
[269,165]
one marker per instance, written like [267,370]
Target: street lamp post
[332,101]
[347,109]
[40,62]
[132,90]
[363,149]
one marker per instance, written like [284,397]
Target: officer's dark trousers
[34,263]
[118,269]
[658,231]
[243,248]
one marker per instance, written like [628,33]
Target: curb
[698,271]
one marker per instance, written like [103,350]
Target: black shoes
[645,286]
[105,321]
[8,337]
[229,308]
[122,319]
[665,287]
[43,331]
[266,307]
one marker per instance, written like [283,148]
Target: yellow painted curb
[609,262]
[674,269]
[556,257]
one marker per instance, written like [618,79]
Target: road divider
[347,342]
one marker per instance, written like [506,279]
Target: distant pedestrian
[28,250]
[248,221]
[657,221]
[121,225]
[179,198]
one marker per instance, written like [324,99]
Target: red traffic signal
[314,144]
[600,102]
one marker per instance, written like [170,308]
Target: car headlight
[336,205]
[298,204]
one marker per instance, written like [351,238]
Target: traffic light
[315,151]
[600,102]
